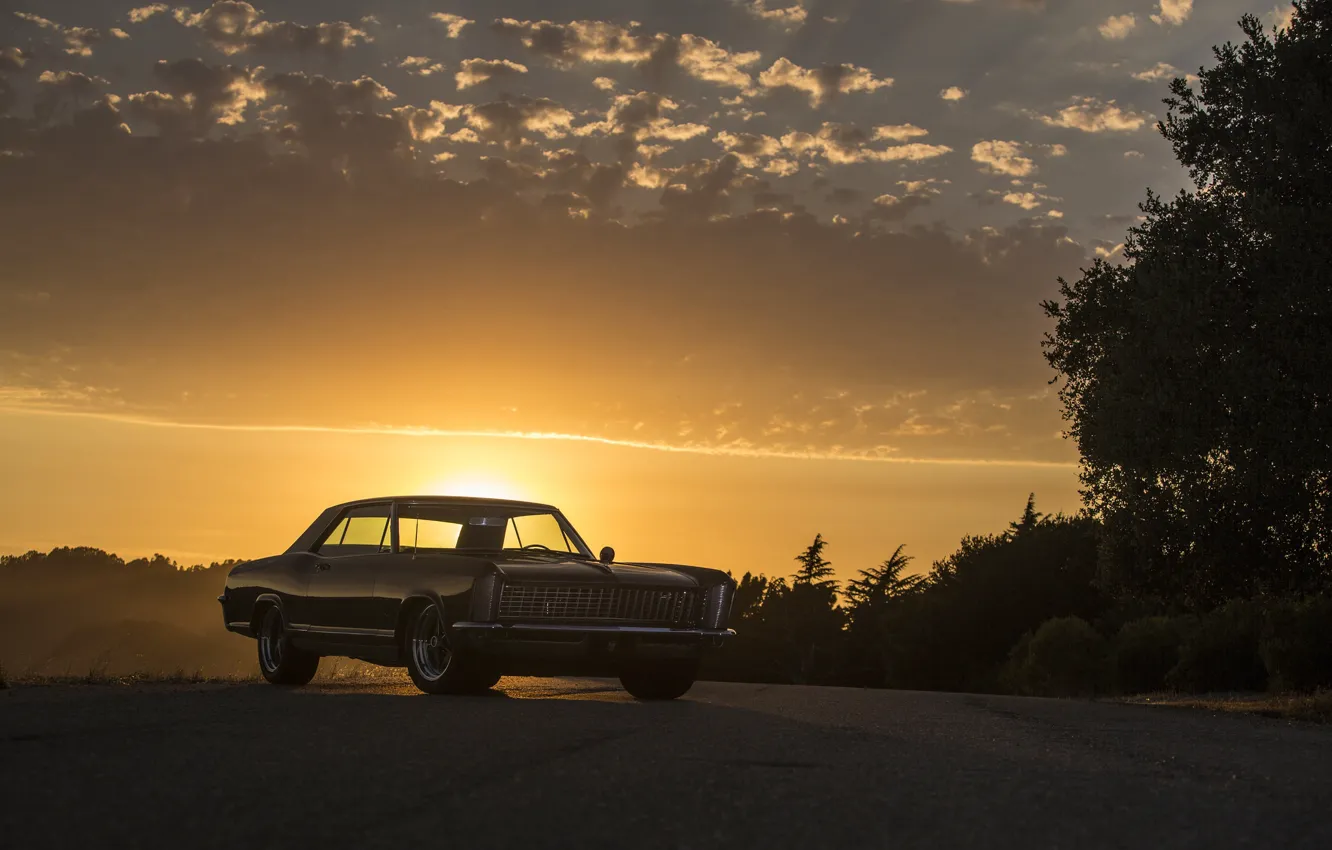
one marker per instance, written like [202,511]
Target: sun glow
[485,485]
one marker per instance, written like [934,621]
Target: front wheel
[660,681]
[279,661]
[434,663]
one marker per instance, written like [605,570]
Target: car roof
[451,500]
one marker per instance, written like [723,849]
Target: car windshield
[449,528]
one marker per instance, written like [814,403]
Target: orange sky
[203,494]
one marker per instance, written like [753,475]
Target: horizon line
[556,436]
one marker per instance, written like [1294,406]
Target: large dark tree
[1198,374]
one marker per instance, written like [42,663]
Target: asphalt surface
[576,763]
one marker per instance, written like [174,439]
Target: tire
[660,681]
[279,661]
[434,663]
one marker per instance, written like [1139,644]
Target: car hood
[581,572]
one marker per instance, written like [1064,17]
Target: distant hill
[76,609]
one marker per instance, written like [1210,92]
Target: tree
[1198,374]
[1028,520]
[876,604]
[879,584]
[814,568]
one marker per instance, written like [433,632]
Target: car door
[339,601]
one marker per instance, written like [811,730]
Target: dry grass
[1313,708]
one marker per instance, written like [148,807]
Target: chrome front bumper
[563,632]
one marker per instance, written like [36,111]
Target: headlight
[717,607]
[485,595]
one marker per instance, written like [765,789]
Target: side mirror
[607,555]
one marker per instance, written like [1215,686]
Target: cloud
[421,66]
[1280,15]
[197,97]
[76,41]
[1133,155]
[632,118]
[1091,115]
[143,13]
[898,132]
[750,148]
[842,144]
[1158,72]
[235,26]
[953,93]
[789,17]
[473,72]
[895,207]
[453,24]
[1118,27]
[604,83]
[511,119]
[1173,12]
[1002,157]
[600,42]
[822,83]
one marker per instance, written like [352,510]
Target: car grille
[564,603]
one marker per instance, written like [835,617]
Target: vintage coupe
[463,591]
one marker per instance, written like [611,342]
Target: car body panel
[356,604]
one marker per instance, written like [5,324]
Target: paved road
[575,763]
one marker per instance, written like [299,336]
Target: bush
[1222,652]
[1065,657]
[1146,650]
[1297,645]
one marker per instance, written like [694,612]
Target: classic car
[462,591]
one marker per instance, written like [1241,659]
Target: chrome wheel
[271,641]
[430,645]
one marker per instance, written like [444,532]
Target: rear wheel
[435,663]
[279,661]
[660,681]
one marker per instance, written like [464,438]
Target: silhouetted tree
[1198,374]
[1029,518]
[876,604]
[814,568]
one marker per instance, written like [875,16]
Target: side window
[361,531]
[537,529]
[422,534]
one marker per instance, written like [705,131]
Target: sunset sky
[712,276]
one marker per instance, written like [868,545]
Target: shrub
[1222,652]
[1297,645]
[1065,657]
[1146,650]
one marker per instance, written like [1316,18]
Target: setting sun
[481,484]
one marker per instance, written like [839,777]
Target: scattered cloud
[1280,15]
[1118,27]
[822,83]
[195,97]
[1173,12]
[235,26]
[1091,115]
[1133,155]
[143,13]
[453,24]
[789,17]
[1001,157]
[953,93]
[1158,72]
[601,42]
[75,41]
[898,132]
[473,72]
[604,83]
[421,66]
[842,144]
